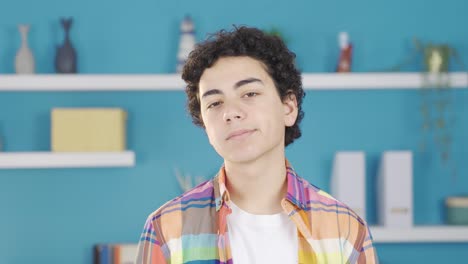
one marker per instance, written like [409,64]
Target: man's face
[243,114]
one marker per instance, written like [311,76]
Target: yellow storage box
[88,129]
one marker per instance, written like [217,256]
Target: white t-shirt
[259,239]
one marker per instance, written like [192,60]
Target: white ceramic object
[186,43]
[24,61]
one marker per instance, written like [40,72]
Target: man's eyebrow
[236,86]
[211,92]
[246,81]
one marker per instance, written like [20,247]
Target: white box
[395,189]
[348,180]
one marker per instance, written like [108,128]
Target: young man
[245,91]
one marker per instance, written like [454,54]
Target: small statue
[24,62]
[344,63]
[186,43]
[65,60]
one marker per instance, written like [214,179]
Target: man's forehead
[230,70]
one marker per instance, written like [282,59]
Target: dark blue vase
[65,59]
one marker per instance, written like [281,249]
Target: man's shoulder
[323,203]
[199,197]
[166,223]
[332,220]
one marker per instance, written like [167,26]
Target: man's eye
[213,104]
[251,94]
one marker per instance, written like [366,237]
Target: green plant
[436,98]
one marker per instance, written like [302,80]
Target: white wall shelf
[173,82]
[35,160]
[90,82]
[420,234]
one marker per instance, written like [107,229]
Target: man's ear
[290,108]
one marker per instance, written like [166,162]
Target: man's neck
[258,186]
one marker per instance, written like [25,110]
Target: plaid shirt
[192,227]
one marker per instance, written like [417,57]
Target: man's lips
[239,133]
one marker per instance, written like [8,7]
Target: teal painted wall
[56,216]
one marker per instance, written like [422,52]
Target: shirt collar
[295,191]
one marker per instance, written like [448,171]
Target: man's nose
[233,112]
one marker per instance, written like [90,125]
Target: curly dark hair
[254,43]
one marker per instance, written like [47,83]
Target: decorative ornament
[24,61]
[186,43]
[65,60]
[346,48]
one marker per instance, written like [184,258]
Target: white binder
[348,180]
[395,189]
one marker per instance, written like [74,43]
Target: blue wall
[56,216]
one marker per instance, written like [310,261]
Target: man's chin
[241,158]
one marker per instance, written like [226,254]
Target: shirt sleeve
[368,254]
[149,247]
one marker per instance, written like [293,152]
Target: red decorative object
[344,63]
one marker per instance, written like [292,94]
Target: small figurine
[65,58]
[186,43]
[344,63]
[24,62]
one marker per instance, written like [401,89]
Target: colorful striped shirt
[192,228]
